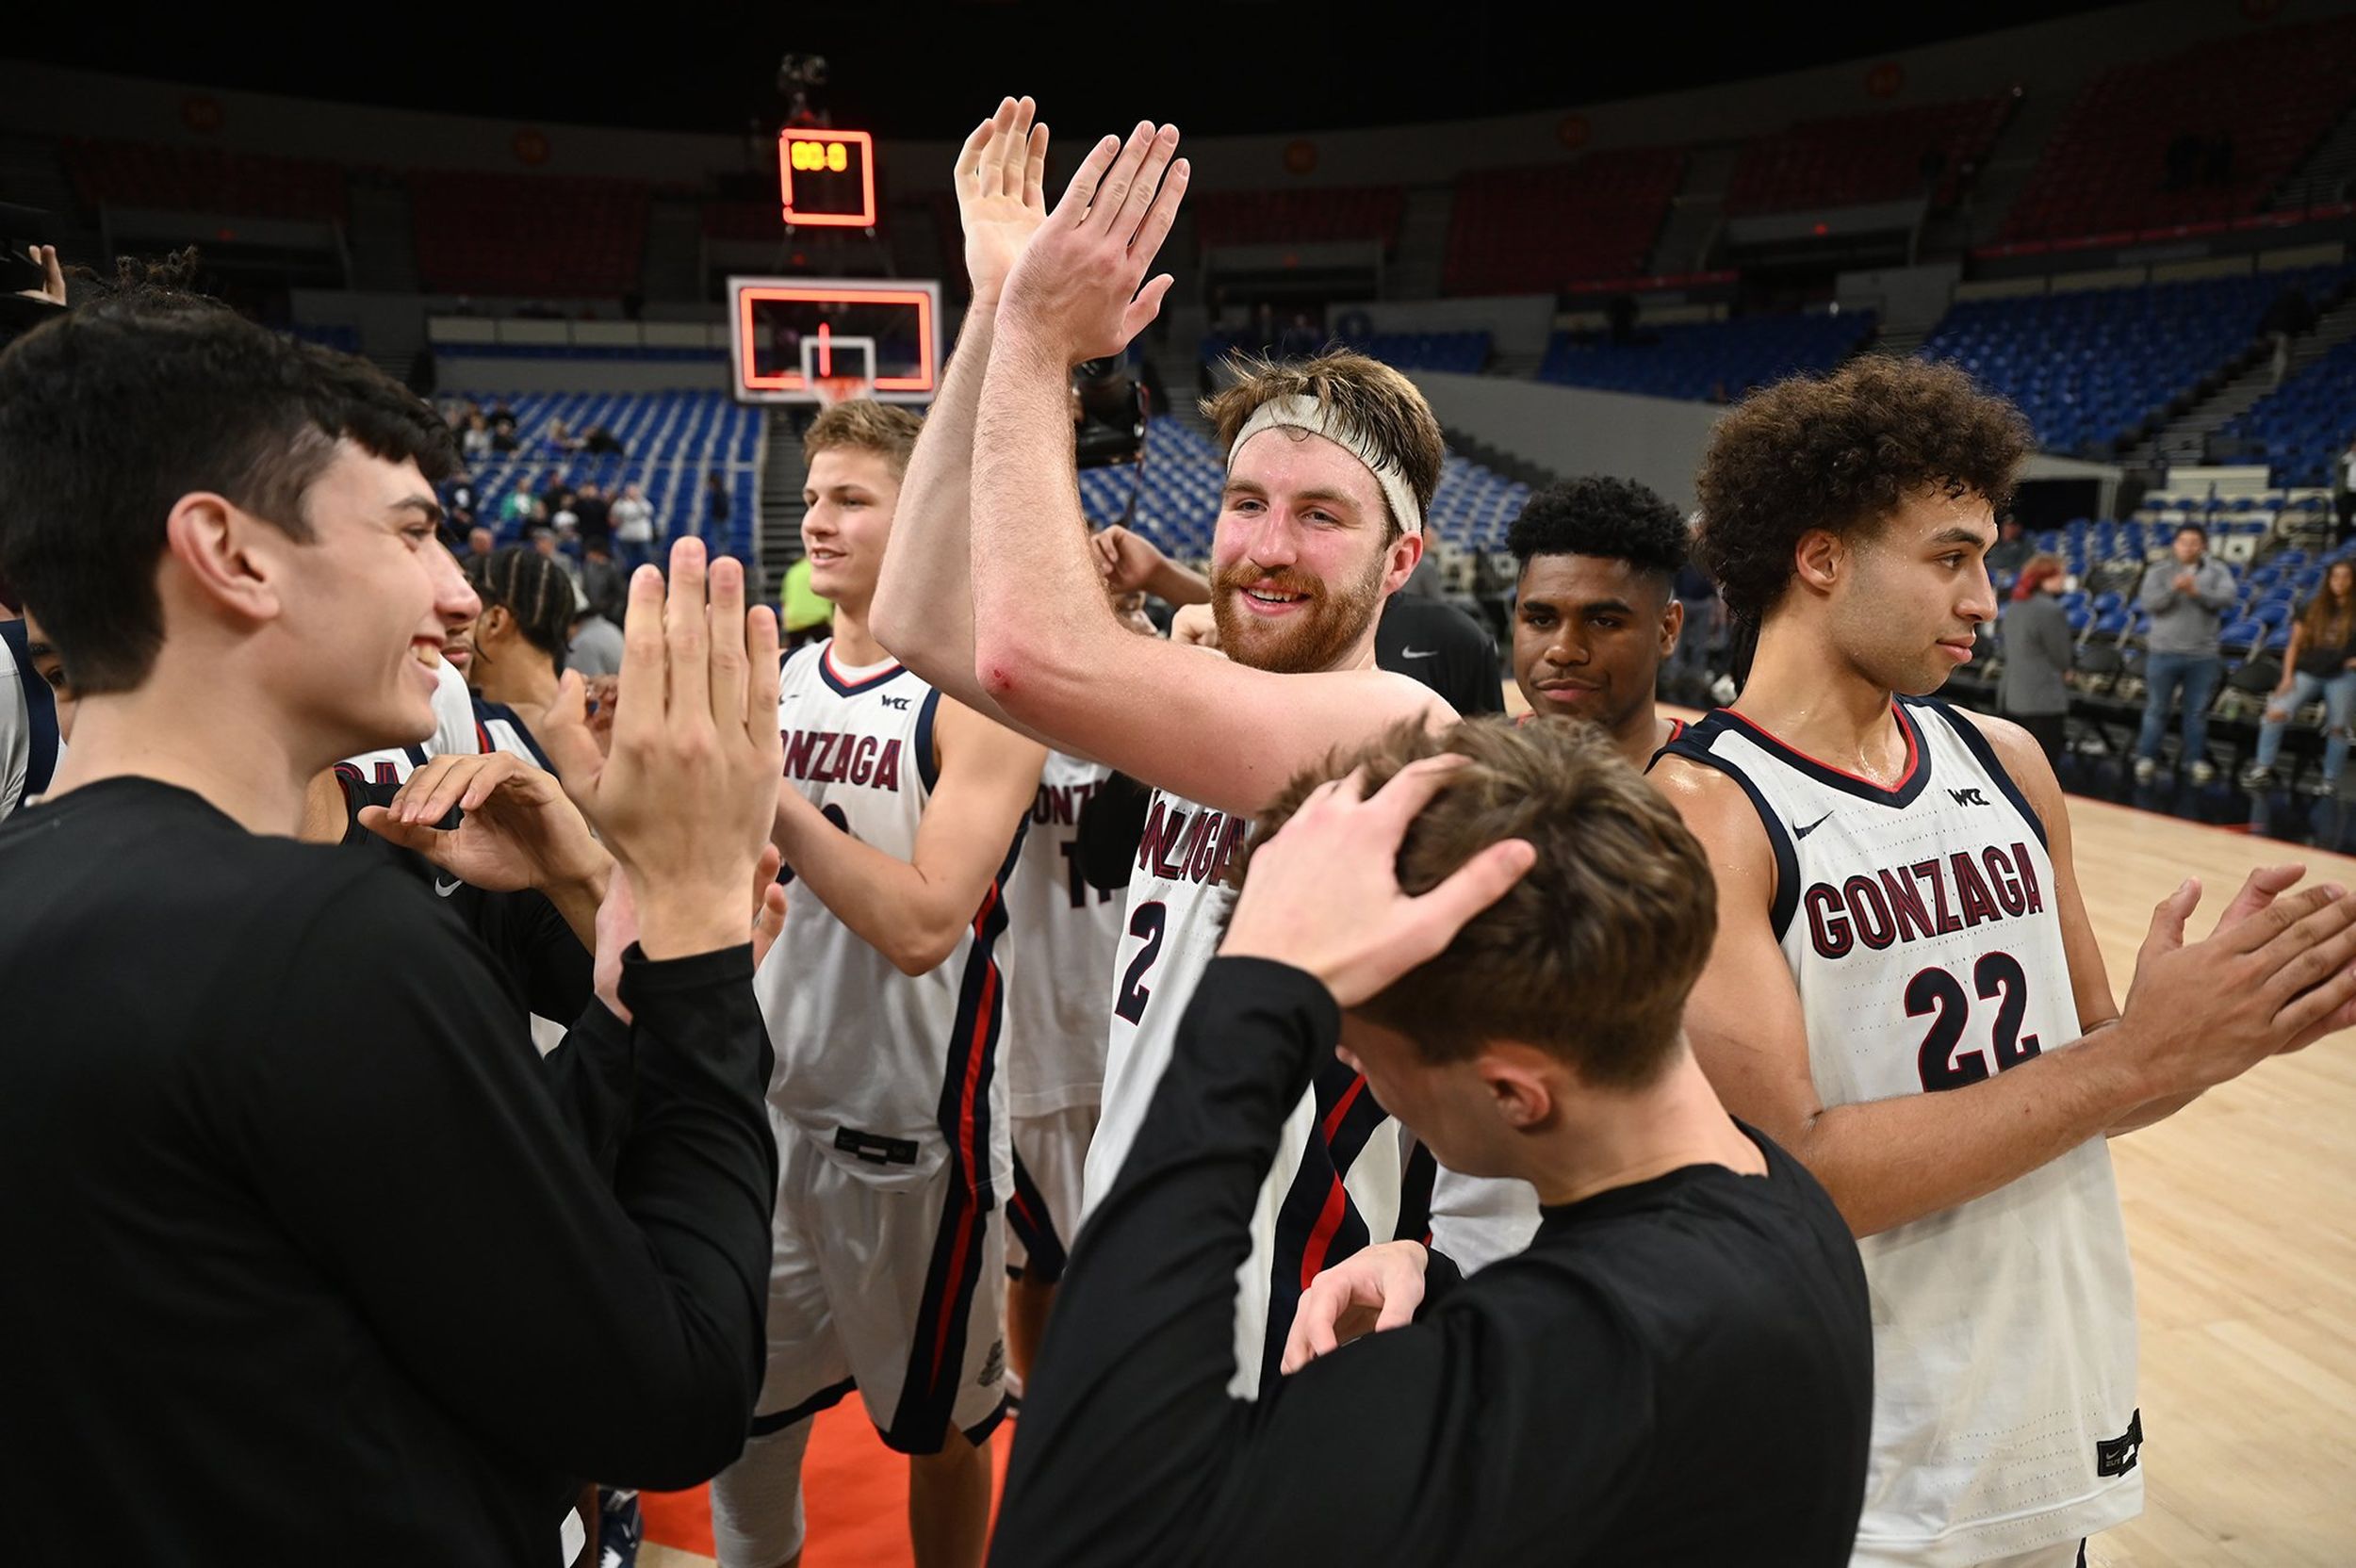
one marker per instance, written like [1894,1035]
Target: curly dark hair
[1616,518]
[1843,453]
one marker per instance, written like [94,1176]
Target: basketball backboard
[787,335]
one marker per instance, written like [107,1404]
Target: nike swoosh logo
[1804,832]
[443,890]
[1418,653]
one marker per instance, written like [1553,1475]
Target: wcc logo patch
[1969,797]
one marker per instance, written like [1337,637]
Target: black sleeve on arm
[1112,820]
[396,1123]
[593,1077]
[1127,1424]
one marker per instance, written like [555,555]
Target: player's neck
[1640,735]
[185,733]
[1803,693]
[526,685]
[1606,1140]
[854,645]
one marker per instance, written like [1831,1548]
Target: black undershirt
[310,1255]
[1677,1372]
[1438,643]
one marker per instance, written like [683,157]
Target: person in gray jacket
[2187,599]
[2036,635]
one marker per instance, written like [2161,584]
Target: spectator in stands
[600,441]
[561,439]
[2320,659]
[2033,689]
[544,541]
[605,584]
[593,515]
[715,505]
[522,510]
[480,541]
[474,441]
[596,645]
[458,506]
[2187,597]
[1301,339]
[633,528]
[502,422]
[2344,498]
[2012,549]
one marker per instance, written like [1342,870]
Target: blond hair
[862,424]
[1374,402]
[1591,955]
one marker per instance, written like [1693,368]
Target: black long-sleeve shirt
[308,1256]
[1676,1372]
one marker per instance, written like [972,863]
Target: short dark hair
[2185,527]
[1843,453]
[113,412]
[533,588]
[1590,955]
[1616,518]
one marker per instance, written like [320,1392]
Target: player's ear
[1819,558]
[1402,555]
[225,554]
[1671,624]
[1520,1087]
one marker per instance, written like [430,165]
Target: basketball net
[838,389]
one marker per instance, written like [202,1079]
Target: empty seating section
[1465,351]
[757,221]
[1708,360]
[2305,423]
[1176,499]
[1299,217]
[1861,158]
[1538,229]
[2094,368]
[204,179]
[2272,93]
[673,440]
[542,236]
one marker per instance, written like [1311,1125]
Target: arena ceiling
[910,68]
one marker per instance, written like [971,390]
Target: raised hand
[1323,894]
[1000,173]
[1373,1289]
[52,289]
[519,831]
[1076,284]
[686,799]
[2275,976]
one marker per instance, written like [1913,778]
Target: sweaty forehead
[1288,461]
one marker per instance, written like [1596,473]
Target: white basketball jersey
[889,1073]
[1921,928]
[1065,932]
[1346,1173]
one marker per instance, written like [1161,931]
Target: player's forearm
[578,902]
[1889,1162]
[889,904]
[1179,584]
[924,608]
[1041,616]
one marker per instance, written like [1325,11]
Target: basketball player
[1331,464]
[516,646]
[1906,991]
[899,814]
[1595,613]
[1675,1373]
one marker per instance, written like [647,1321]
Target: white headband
[1307,413]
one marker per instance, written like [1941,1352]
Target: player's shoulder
[1384,697]
[2009,749]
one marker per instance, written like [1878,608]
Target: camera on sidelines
[1108,415]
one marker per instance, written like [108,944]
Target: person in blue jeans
[2187,597]
[2320,659]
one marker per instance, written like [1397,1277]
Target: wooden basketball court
[2241,1212]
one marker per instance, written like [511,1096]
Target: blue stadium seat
[1698,361]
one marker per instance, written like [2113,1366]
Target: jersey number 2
[1997,977]
[1147,923]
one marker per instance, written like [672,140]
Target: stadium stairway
[781,475]
[672,266]
[2325,175]
[1416,268]
[2005,175]
[1696,212]
[2185,438]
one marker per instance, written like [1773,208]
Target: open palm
[1000,173]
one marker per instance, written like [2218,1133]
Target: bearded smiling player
[1331,466]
